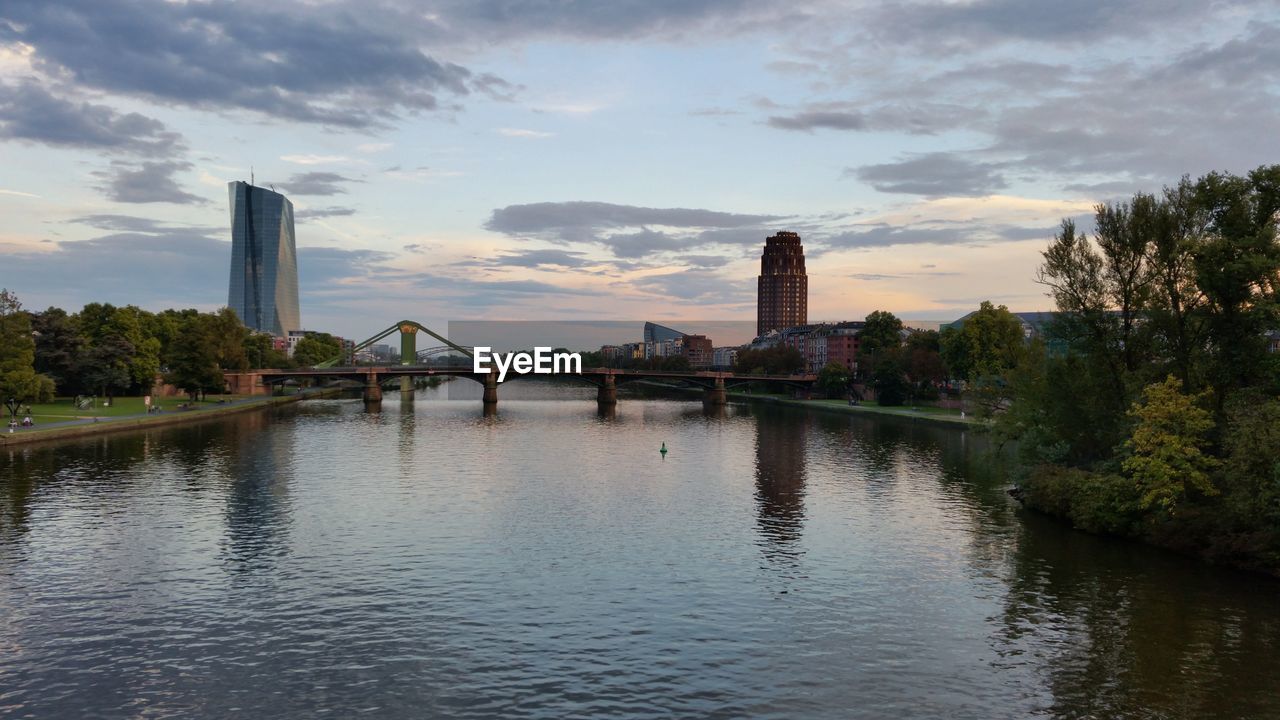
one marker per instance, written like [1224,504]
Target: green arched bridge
[415,364]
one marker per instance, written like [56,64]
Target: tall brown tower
[782,294]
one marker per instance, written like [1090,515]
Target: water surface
[548,562]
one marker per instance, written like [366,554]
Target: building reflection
[780,483]
[259,469]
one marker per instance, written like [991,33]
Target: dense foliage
[1159,416]
[108,350]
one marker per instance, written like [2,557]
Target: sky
[605,160]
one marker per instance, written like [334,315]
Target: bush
[1095,502]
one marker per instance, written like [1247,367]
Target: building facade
[263,289]
[782,290]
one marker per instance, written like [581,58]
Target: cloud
[697,285]
[310,213]
[983,22]
[314,159]
[577,220]
[135,224]
[820,119]
[334,64]
[31,113]
[977,232]
[522,133]
[146,182]
[538,259]
[934,174]
[316,183]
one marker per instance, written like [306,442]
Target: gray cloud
[884,235]
[30,112]
[820,119]
[577,220]
[335,64]
[146,182]
[934,175]
[626,230]
[135,224]
[316,183]
[310,213]
[948,25]
[697,285]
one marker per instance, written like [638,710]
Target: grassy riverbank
[921,413]
[61,420]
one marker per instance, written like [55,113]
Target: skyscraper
[264,260]
[782,291]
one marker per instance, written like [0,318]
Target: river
[549,562]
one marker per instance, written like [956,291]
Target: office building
[264,260]
[782,293]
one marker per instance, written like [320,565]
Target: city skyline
[457,163]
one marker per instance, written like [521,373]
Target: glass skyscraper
[264,260]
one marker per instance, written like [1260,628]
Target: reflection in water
[780,483]
[259,471]
[545,562]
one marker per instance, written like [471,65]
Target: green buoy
[663,450]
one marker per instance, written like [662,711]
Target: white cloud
[313,159]
[522,133]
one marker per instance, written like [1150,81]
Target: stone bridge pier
[716,395]
[491,389]
[372,393]
[607,393]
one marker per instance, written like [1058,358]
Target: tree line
[107,350]
[1157,414]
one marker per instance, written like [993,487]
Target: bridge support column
[715,395]
[406,389]
[491,389]
[372,394]
[607,394]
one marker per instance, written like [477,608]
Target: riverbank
[923,414]
[83,427]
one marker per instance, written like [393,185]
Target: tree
[923,359]
[104,368]
[777,360]
[889,380]
[59,345]
[1168,443]
[316,348]
[193,362]
[260,352]
[834,379]
[883,331]
[990,343]
[18,377]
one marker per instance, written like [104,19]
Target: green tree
[104,368]
[260,352]
[777,360]
[18,377]
[889,380]
[883,331]
[194,356]
[59,345]
[316,348]
[1167,448]
[834,379]
[990,343]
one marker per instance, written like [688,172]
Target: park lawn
[906,408]
[62,409]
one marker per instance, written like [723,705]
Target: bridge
[372,378]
